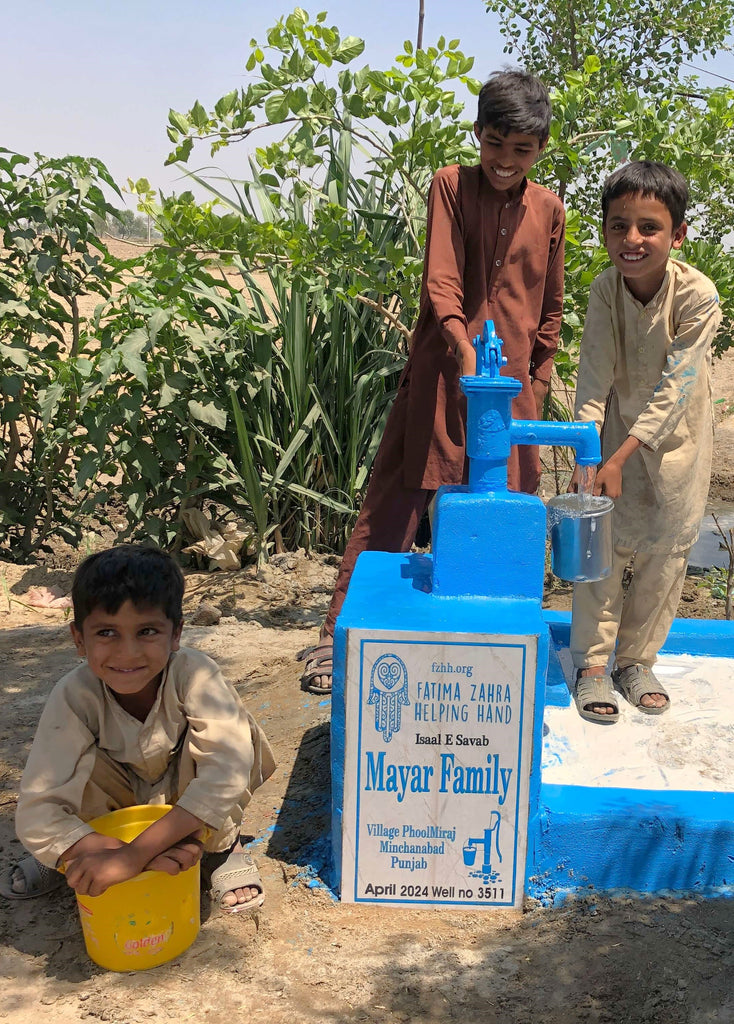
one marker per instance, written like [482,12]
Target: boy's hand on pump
[467,358]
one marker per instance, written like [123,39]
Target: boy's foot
[28,878]
[316,676]
[236,884]
[595,698]
[639,685]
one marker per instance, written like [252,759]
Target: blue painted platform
[650,834]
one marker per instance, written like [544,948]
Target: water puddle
[707,551]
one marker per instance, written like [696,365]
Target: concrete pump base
[645,805]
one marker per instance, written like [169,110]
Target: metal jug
[580,528]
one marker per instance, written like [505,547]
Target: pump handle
[489,352]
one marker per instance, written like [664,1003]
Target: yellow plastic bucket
[148,920]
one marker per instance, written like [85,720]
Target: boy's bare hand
[95,842]
[540,390]
[179,857]
[97,862]
[573,483]
[91,874]
[467,358]
[609,480]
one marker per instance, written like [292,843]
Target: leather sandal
[590,690]
[39,880]
[239,871]
[319,663]
[634,682]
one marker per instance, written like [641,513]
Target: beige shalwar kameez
[198,748]
[645,371]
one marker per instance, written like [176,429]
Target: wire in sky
[705,72]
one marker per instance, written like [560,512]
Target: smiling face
[639,234]
[506,159]
[128,650]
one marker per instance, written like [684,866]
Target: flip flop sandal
[39,880]
[595,690]
[239,871]
[634,682]
[317,664]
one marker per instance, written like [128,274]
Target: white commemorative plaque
[436,776]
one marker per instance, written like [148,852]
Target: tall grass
[318,377]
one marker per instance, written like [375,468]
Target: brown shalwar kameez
[490,255]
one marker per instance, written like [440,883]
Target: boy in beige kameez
[141,721]
[645,380]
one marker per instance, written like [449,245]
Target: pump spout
[583,437]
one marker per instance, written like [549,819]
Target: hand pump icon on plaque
[486,872]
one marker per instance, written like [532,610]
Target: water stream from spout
[587,479]
[586,493]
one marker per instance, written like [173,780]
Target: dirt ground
[305,957]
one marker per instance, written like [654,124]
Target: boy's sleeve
[56,774]
[688,351]
[549,327]
[596,360]
[231,754]
[444,259]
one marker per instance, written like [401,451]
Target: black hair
[650,180]
[515,101]
[144,575]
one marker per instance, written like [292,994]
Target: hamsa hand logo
[388,692]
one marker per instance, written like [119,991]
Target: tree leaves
[349,50]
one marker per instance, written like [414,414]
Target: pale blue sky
[98,78]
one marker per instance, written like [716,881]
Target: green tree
[617,96]
[622,95]
[53,257]
[640,45]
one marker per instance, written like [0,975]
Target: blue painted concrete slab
[637,842]
[632,839]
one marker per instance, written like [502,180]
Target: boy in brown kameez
[494,250]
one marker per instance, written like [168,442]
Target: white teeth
[632,257]
[502,174]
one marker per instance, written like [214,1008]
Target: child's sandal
[637,681]
[39,880]
[239,871]
[595,690]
